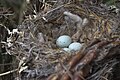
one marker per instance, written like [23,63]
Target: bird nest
[33,44]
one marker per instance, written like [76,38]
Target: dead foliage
[38,57]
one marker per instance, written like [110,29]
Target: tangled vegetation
[29,30]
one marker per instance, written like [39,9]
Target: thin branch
[2,74]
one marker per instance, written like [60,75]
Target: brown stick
[79,75]
[88,57]
[65,77]
[75,60]
[53,77]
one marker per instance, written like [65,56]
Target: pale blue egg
[67,50]
[75,46]
[63,41]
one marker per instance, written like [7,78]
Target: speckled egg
[75,46]
[63,41]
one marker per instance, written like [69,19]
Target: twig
[2,74]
